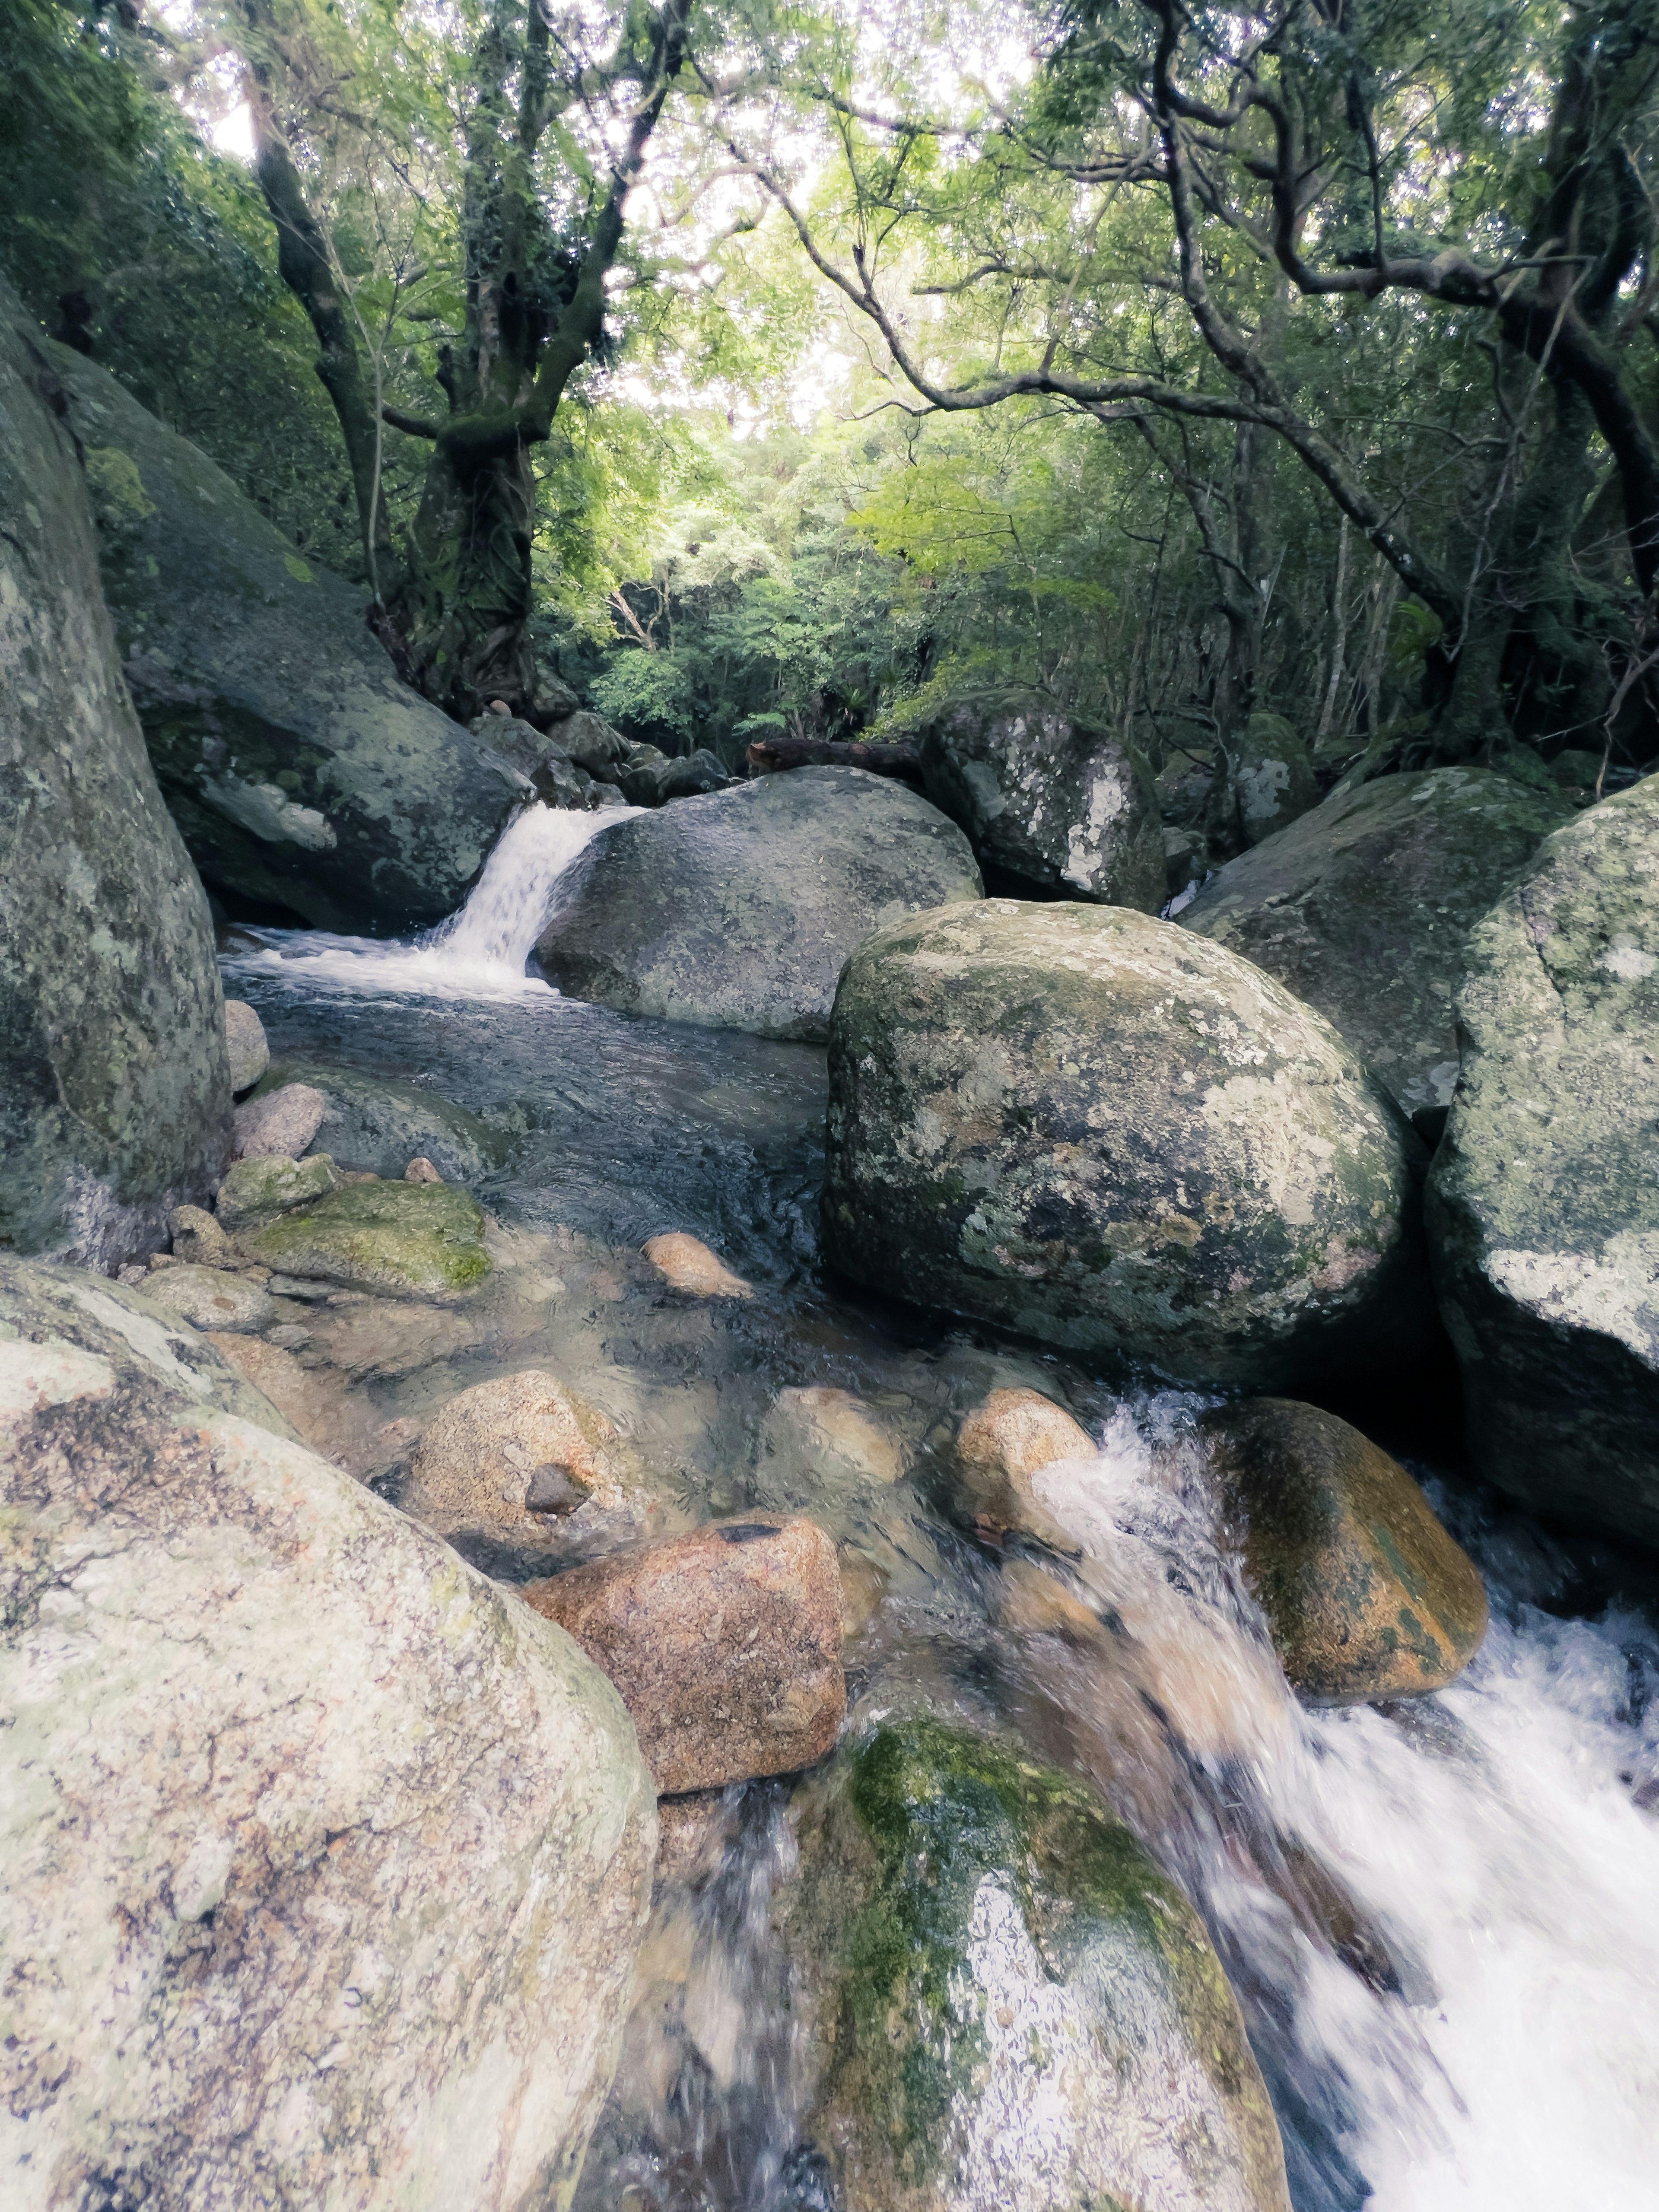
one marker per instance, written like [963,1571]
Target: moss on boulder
[403,1239]
[1108,1134]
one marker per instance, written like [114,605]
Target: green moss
[421,1239]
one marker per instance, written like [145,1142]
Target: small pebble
[421,1171]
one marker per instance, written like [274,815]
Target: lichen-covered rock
[404,1239]
[1045,797]
[245,1043]
[1544,1199]
[1363,908]
[1015,2010]
[738,910]
[1365,1593]
[256,1191]
[725,1645]
[114,1085]
[209,1298]
[377,1124]
[1094,1128]
[1264,780]
[300,771]
[514,1456]
[325,1861]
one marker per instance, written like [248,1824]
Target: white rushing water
[1491,1834]
[479,953]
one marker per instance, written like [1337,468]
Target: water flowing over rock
[1366,1594]
[1017,2011]
[1045,797]
[1544,1202]
[114,1083]
[738,910]
[300,771]
[377,1124]
[1098,1130]
[326,1861]
[1363,908]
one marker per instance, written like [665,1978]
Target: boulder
[1045,797]
[246,1044]
[1264,780]
[685,1263]
[1363,908]
[1091,1128]
[301,770]
[114,1083]
[258,1190]
[739,910]
[281,1123]
[511,1457]
[377,1123]
[199,1240]
[1011,2005]
[209,1298]
[1365,1593]
[1000,1446]
[326,1861]
[725,1645]
[594,744]
[403,1239]
[1544,1201]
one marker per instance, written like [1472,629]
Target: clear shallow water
[1441,1919]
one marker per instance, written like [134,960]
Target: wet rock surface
[1104,1134]
[1363,906]
[300,772]
[739,910]
[989,1959]
[1543,1202]
[284,1778]
[210,1297]
[380,1124]
[1042,795]
[513,1458]
[1366,1594]
[685,1263]
[725,1645]
[114,1083]
[421,1240]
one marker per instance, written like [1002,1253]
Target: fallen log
[770,755]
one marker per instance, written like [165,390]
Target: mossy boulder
[256,1191]
[738,910]
[1091,1128]
[1047,797]
[377,1124]
[403,1239]
[1015,2010]
[114,1081]
[1544,1202]
[1366,1594]
[1363,908]
[1264,780]
[300,769]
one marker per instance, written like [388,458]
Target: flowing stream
[1441,1917]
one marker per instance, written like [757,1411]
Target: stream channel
[1441,1917]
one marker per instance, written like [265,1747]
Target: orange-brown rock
[686,1263]
[725,1645]
[1001,1445]
[1366,1594]
[515,1456]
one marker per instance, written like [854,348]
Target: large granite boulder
[738,910]
[1362,908]
[1544,1202]
[1048,798]
[1094,1128]
[114,1080]
[325,1860]
[301,772]
[1015,2010]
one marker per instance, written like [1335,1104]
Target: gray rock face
[379,1124]
[738,910]
[326,1861]
[1544,1199]
[1362,908]
[299,769]
[1098,1130]
[1263,781]
[114,1083]
[1016,2010]
[245,1043]
[1043,795]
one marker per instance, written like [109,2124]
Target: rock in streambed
[1105,1132]
[513,1457]
[326,1861]
[377,1124]
[400,1239]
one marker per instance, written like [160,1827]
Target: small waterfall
[480,952]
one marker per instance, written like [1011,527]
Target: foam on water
[479,952]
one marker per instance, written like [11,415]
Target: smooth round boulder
[515,1456]
[1366,1594]
[1093,1129]
[245,1043]
[1543,1208]
[738,910]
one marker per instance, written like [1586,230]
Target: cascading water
[479,952]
